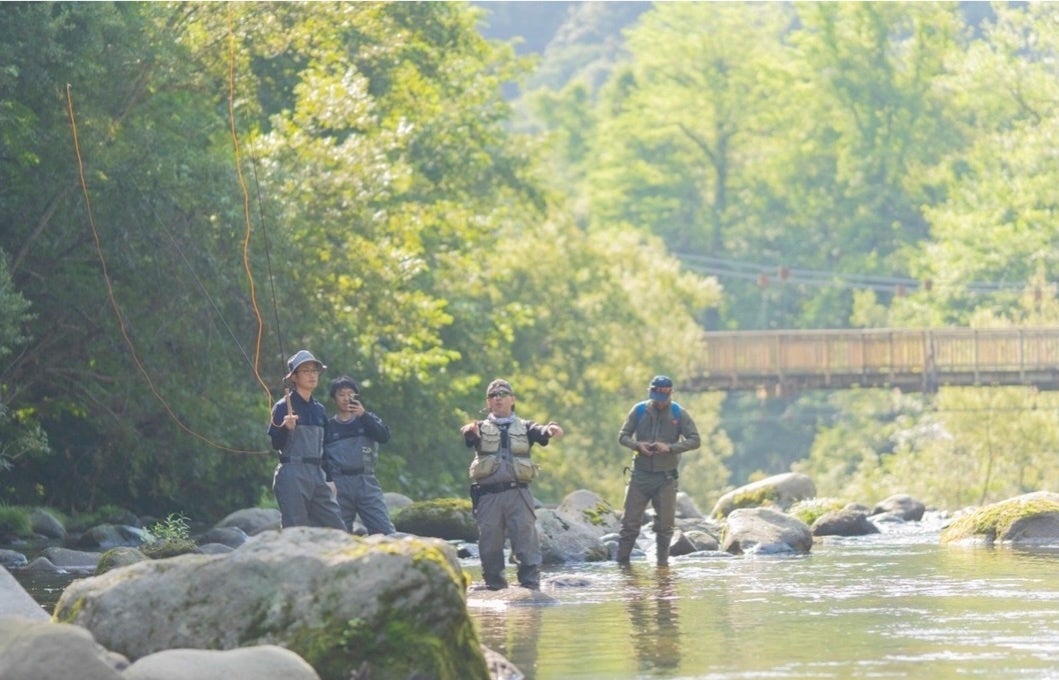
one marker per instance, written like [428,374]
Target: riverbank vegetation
[190,192]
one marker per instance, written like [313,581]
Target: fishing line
[113,301]
[246,210]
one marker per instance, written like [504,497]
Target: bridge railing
[910,359]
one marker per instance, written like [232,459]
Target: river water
[892,605]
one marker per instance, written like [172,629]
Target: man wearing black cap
[658,430]
[297,432]
[500,475]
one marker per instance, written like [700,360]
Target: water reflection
[654,617]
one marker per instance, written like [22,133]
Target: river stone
[39,650]
[15,601]
[568,539]
[334,599]
[263,662]
[593,511]
[779,491]
[232,536]
[106,536]
[447,518]
[82,560]
[765,531]
[849,521]
[252,520]
[46,524]
[903,505]
[12,559]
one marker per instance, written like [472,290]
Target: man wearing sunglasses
[500,475]
[658,431]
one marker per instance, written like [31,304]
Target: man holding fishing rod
[297,425]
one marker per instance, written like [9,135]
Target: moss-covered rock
[777,491]
[119,557]
[1030,519]
[392,607]
[446,518]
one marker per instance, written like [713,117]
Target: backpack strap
[641,409]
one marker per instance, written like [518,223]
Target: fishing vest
[487,457]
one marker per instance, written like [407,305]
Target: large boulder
[765,531]
[1030,519]
[568,539]
[778,491]
[592,511]
[393,606]
[447,518]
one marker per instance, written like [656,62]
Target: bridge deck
[909,359]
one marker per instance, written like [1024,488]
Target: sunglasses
[499,394]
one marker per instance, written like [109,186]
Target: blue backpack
[641,409]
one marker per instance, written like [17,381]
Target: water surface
[896,605]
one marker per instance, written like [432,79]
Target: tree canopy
[190,192]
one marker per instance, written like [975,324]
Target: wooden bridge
[913,360]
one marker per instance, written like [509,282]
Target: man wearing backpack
[658,430]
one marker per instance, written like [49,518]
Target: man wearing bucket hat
[500,475]
[297,430]
[658,431]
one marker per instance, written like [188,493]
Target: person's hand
[646,448]
[661,447]
[290,421]
[472,428]
[356,408]
[553,430]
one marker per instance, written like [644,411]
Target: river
[890,605]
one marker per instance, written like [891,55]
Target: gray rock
[845,522]
[231,536]
[765,531]
[46,524]
[106,536]
[12,559]
[903,505]
[44,566]
[686,507]
[38,650]
[778,491]
[320,593]
[592,511]
[15,601]
[252,520]
[263,662]
[567,539]
[215,549]
[81,560]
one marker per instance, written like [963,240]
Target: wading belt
[299,459]
[350,471]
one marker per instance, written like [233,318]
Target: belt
[300,459]
[351,471]
[482,489]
